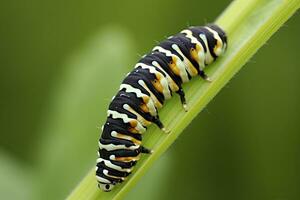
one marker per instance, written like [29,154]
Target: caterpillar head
[220,37]
[106,187]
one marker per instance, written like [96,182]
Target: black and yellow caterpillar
[143,91]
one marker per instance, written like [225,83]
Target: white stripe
[124,137]
[136,158]
[187,62]
[140,118]
[129,88]
[111,147]
[189,34]
[179,63]
[153,97]
[139,94]
[218,51]
[105,172]
[165,85]
[208,57]
[174,87]
[111,165]
[126,119]
[163,81]
[201,53]
[102,180]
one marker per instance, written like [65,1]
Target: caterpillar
[154,78]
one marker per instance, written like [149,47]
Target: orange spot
[144,108]
[158,76]
[133,123]
[174,87]
[126,137]
[127,159]
[192,68]
[218,45]
[133,130]
[145,99]
[174,67]
[194,53]
[139,117]
[157,86]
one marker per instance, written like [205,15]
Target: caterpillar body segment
[144,90]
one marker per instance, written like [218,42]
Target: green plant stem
[249,24]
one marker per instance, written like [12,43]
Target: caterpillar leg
[160,125]
[146,150]
[180,92]
[204,76]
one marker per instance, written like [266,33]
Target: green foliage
[15,183]
[80,100]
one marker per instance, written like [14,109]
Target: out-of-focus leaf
[68,143]
[16,180]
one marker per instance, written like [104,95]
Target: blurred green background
[62,61]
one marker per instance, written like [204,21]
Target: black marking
[211,41]
[99,173]
[134,102]
[185,46]
[116,141]
[147,77]
[118,153]
[163,61]
[112,172]
[220,32]
[120,127]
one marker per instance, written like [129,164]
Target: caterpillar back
[144,90]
